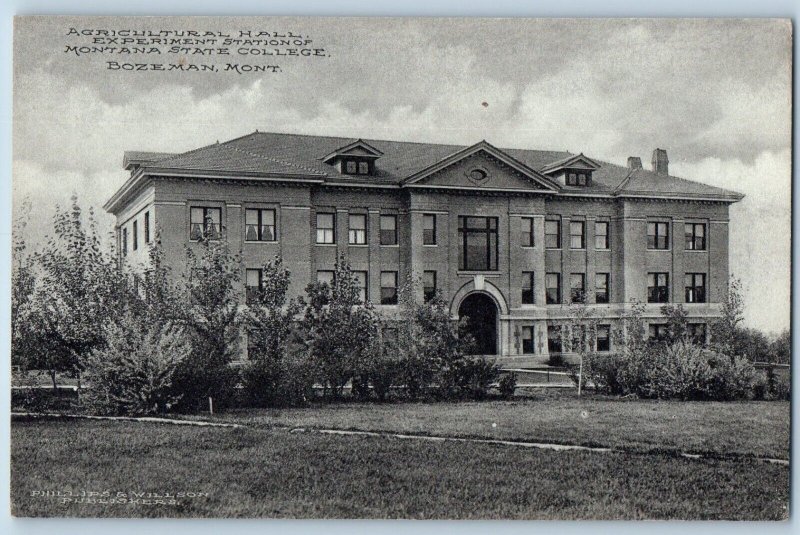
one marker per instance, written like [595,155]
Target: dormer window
[356,167]
[577,178]
[357,158]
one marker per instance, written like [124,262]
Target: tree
[581,330]
[23,282]
[211,317]
[269,376]
[725,332]
[338,328]
[79,287]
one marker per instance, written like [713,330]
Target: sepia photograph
[401,268]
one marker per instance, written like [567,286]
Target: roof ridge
[276,160]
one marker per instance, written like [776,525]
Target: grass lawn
[276,473]
[754,428]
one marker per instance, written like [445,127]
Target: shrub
[133,375]
[507,385]
[476,376]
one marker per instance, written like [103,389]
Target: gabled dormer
[574,171]
[357,158]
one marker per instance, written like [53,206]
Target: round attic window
[478,175]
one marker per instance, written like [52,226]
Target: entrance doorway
[481,313]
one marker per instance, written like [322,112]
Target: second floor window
[601,288]
[658,287]
[478,243]
[388,287]
[388,230]
[526,234]
[552,234]
[552,285]
[657,235]
[429,229]
[577,287]
[695,287]
[527,339]
[601,235]
[205,222]
[124,242]
[259,225]
[697,333]
[576,235]
[554,338]
[429,285]
[254,279]
[326,277]
[527,288]
[358,229]
[135,235]
[695,236]
[147,227]
[326,224]
[657,332]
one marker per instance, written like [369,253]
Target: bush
[507,385]
[133,375]
[476,377]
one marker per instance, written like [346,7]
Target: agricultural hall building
[510,237]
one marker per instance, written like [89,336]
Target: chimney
[634,162]
[660,162]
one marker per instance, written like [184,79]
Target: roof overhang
[369,151]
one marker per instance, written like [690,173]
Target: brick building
[510,237]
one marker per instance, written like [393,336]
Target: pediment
[481,166]
[578,161]
[357,148]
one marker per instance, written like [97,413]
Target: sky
[715,93]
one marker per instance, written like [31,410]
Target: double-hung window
[603,338]
[428,229]
[429,285]
[326,226]
[601,288]
[478,243]
[695,236]
[601,235]
[552,233]
[695,287]
[577,287]
[357,234]
[361,284]
[254,279]
[657,235]
[526,234]
[135,235]
[552,283]
[577,232]
[147,227]
[388,287]
[527,288]
[326,277]
[205,222]
[658,287]
[259,225]
[554,339]
[527,339]
[388,230]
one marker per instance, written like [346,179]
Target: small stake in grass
[210,405]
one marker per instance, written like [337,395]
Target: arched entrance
[481,313]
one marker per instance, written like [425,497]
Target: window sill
[390,245]
[358,245]
[325,244]
[261,241]
[695,250]
[659,250]
[470,273]
[430,245]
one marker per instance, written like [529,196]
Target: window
[657,235]
[358,229]
[601,236]
[554,339]
[478,243]
[363,168]
[695,236]
[388,287]
[429,229]
[601,287]
[124,242]
[658,288]
[527,339]
[259,225]
[326,224]
[577,179]
[361,284]
[205,223]
[326,277]
[254,278]
[356,167]
[552,234]
[429,285]
[697,333]
[695,287]
[657,332]
[147,227]
[350,167]
[576,235]
[603,338]
[526,234]
[388,230]
[553,288]
[527,288]
[577,287]
[135,235]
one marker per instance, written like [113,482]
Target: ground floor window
[388,287]
[254,280]
[697,333]
[657,332]
[361,283]
[429,285]
[603,338]
[553,288]
[527,339]
[554,338]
